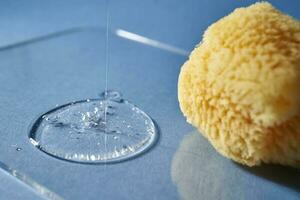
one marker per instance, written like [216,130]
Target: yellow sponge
[241,86]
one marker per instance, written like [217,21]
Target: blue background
[35,77]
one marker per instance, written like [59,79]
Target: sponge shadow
[285,176]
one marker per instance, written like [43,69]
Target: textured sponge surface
[241,86]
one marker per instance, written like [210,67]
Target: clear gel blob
[109,129]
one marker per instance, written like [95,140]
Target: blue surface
[12,189]
[35,77]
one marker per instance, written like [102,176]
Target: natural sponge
[241,86]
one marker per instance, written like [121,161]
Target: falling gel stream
[76,131]
[104,130]
[106,72]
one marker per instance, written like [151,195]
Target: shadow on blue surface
[199,171]
[285,176]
